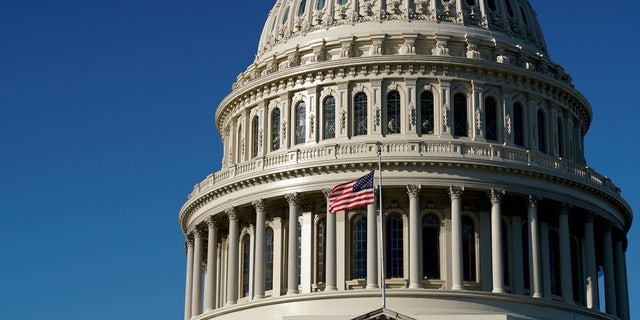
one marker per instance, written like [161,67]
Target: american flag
[352,194]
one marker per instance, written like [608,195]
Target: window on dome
[275,129]
[394,247]
[245,265]
[492,4]
[255,127]
[285,17]
[560,139]
[490,119]
[460,115]
[360,122]
[468,249]
[321,252]
[320,5]
[426,112]
[268,264]
[329,118]
[342,2]
[302,7]
[431,246]
[509,8]
[518,125]
[301,128]
[393,112]
[359,248]
[471,2]
[542,138]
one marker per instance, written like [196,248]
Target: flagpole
[384,287]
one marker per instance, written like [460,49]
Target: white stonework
[490,210]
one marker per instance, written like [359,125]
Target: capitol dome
[488,207]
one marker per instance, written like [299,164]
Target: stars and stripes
[353,194]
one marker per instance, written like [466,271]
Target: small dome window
[471,2]
[492,4]
[342,2]
[285,17]
[320,5]
[509,8]
[302,7]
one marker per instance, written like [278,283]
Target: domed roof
[293,23]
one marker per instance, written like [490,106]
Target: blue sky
[106,123]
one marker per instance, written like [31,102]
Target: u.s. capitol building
[490,211]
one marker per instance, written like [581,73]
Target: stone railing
[455,151]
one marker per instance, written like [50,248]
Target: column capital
[564,208]
[232,213]
[326,192]
[212,222]
[589,217]
[293,198]
[533,201]
[197,233]
[496,195]
[259,204]
[413,191]
[188,241]
[455,192]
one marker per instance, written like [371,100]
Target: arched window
[431,246]
[394,247]
[302,7]
[460,115]
[320,5]
[518,125]
[359,248]
[301,127]
[360,122]
[490,119]
[560,138]
[468,249]
[255,127]
[240,145]
[275,129]
[342,2]
[285,17]
[329,117]
[268,263]
[245,264]
[393,112]
[542,139]
[321,252]
[554,261]
[492,4]
[426,112]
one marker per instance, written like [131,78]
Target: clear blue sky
[106,123]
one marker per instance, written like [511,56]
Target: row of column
[616,291]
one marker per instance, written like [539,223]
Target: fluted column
[590,264]
[372,248]
[534,247]
[496,241]
[621,278]
[292,254]
[414,236]
[189,280]
[196,295]
[566,285]
[261,247]
[210,277]
[330,264]
[456,238]
[609,275]
[232,263]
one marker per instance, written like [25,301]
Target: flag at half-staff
[353,194]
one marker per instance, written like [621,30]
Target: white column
[261,245]
[609,275]
[456,238]
[534,248]
[372,248]
[590,264]
[189,280]
[414,236]
[330,264]
[564,236]
[621,278]
[232,260]
[496,241]
[292,253]
[210,277]
[196,295]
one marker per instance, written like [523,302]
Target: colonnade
[538,256]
